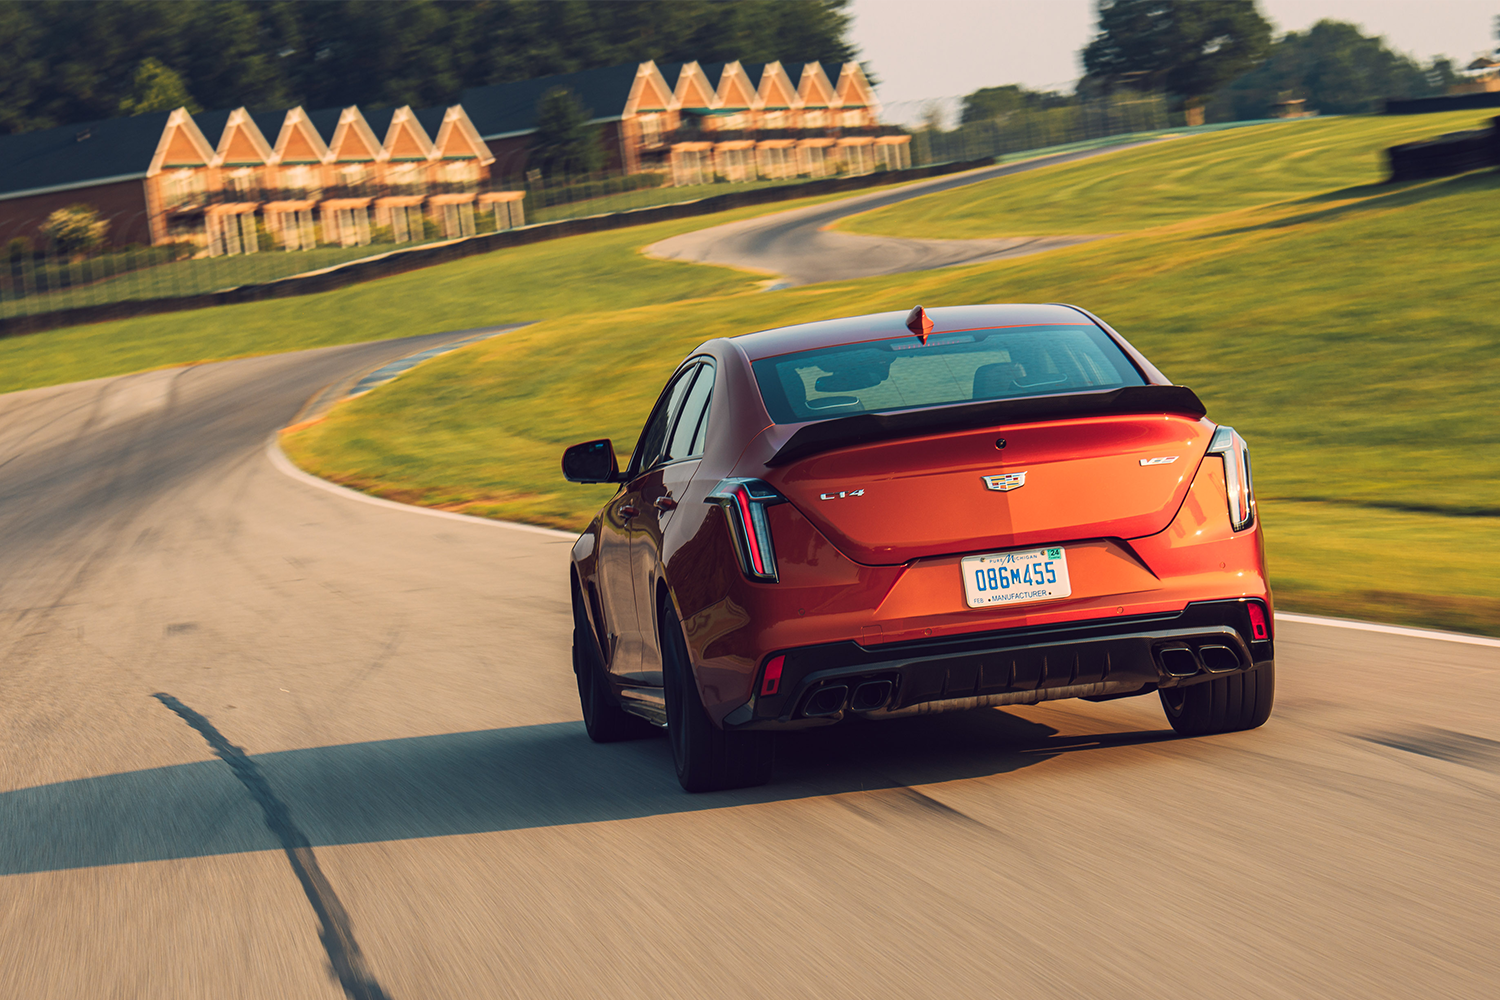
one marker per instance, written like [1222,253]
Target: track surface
[797,247]
[260,740]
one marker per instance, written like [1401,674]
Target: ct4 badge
[1005,482]
[841,494]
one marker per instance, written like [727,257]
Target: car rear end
[997,513]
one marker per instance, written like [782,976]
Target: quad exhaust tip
[1219,659]
[1178,661]
[870,696]
[831,699]
[1182,661]
[826,701]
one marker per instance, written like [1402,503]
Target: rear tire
[708,758]
[1222,705]
[603,717]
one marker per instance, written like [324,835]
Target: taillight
[1241,494]
[744,502]
[1260,628]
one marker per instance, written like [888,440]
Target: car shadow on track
[477,782]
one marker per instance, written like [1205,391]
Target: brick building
[238,181]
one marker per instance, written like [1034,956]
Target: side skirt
[650,703]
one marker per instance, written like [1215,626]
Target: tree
[989,103]
[75,231]
[65,62]
[156,88]
[1186,48]
[1335,69]
[565,143]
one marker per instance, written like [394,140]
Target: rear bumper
[1100,659]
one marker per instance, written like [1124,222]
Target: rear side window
[687,436]
[677,427]
[649,453]
[902,373]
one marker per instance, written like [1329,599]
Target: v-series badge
[841,494]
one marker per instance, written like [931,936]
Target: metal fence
[1025,130]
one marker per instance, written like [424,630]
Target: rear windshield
[901,373]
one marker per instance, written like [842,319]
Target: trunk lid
[891,501]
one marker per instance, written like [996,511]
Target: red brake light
[744,502]
[771,683]
[1259,627]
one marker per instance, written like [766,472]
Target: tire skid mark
[1443,744]
[336,931]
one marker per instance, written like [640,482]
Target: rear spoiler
[866,427]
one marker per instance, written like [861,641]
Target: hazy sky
[938,48]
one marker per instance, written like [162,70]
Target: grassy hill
[1179,179]
[1345,327]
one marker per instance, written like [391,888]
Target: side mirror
[591,462]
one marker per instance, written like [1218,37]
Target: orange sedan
[908,513]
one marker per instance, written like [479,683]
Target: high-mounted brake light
[918,322]
[771,682]
[744,502]
[1240,492]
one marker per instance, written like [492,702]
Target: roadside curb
[358,384]
[1414,633]
[284,465]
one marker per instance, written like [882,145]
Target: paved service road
[264,740]
[796,245]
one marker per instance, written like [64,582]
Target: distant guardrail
[1446,155]
[1450,102]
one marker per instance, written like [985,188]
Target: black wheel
[1222,705]
[708,758]
[603,717]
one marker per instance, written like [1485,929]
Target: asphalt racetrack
[798,249]
[263,739]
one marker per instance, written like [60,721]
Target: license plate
[1015,577]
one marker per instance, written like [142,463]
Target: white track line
[278,458]
[283,464]
[1415,633]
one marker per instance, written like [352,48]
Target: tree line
[69,61]
[1220,61]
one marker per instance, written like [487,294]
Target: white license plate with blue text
[1016,577]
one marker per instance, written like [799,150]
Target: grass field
[1346,328]
[555,279]
[1172,181]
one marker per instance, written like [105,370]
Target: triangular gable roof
[649,92]
[853,89]
[406,139]
[353,140]
[694,88]
[457,138]
[776,89]
[299,141]
[814,88]
[242,141]
[182,144]
[735,89]
[503,109]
